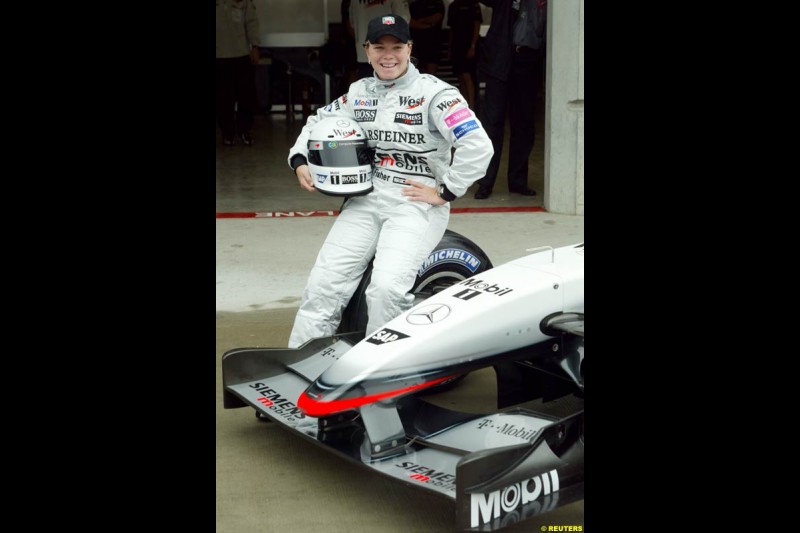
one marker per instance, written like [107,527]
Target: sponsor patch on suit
[412,119]
[365,115]
[465,128]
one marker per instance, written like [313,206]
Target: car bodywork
[363,400]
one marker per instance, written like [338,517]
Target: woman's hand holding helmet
[304,177]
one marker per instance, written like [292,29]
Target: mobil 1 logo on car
[476,287]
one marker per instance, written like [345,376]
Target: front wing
[500,468]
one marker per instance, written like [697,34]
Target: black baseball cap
[393,25]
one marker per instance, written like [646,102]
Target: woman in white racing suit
[411,121]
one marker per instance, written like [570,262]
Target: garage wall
[564,116]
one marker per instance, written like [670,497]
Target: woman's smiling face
[389,57]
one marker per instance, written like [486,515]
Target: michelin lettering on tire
[450,255]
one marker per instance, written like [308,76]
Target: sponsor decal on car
[511,430]
[518,499]
[272,400]
[428,314]
[385,336]
[428,475]
[466,294]
[413,119]
[479,287]
[465,128]
[450,255]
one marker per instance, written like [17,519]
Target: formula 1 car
[363,397]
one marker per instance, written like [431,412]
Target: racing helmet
[339,158]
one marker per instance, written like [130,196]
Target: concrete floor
[268,480]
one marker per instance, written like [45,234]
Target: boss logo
[365,115]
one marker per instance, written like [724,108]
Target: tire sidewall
[455,258]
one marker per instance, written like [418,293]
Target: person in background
[412,122]
[511,62]
[350,57]
[237,56]
[464,18]
[361,12]
[426,31]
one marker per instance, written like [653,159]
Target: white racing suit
[412,123]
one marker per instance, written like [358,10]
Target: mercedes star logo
[428,314]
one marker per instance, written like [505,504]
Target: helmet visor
[334,154]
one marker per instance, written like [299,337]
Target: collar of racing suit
[378,86]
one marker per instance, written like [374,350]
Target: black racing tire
[439,274]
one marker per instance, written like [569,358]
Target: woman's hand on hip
[421,193]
